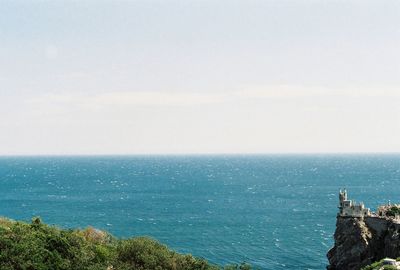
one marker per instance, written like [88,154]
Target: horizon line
[204,154]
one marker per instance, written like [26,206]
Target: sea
[272,211]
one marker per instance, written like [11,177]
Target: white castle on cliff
[349,208]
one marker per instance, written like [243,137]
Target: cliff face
[362,241]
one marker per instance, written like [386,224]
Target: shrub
[147,254]
[393,211]
[37,246]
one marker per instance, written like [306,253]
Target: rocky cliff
[361,241]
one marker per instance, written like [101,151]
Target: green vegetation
[379,265]
[38,246]
[393,211]
[375,265]
[389,267]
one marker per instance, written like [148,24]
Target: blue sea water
[275,212]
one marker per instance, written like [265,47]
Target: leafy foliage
[375,265]
[42,247]
[393,211]
[143,253]
[379,266]
[38,246]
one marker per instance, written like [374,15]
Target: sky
[199,77]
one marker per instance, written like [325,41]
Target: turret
[342,195]
[342,199]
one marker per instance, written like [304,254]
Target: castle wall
[355,211]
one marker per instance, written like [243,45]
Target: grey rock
[362,241]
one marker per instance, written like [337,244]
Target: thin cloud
[135,98]
[279,91]
[294,91]
[175,98]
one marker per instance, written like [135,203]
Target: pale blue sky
[135,77]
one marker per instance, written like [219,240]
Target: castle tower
[342,196]
[342,200]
